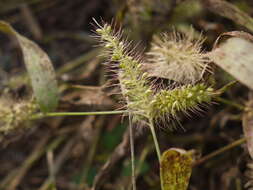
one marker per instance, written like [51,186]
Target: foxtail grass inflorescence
[133,81]
[184,99]
[141,100]
[178,57]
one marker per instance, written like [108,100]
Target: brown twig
[12,180]
[92,143]
[62,157]
[220,151]
[31,21]
[120,151]
[230,11]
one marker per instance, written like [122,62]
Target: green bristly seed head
[171,102]
[133,81]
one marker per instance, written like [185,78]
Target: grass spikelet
[15,114]
[178,57]
[133,81]
[183,99]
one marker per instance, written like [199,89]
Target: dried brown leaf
[235,56]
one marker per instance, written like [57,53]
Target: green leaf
[40,70]
[175,169]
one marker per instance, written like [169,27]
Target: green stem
[220,151]
[131,135]
[56,114]
[157,148]
[226,87]
[228,102]
[152,128]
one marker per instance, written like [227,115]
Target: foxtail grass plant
[141,100]
[145,104]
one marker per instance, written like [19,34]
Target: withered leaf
[40,70]
[175,169]
[235,56]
